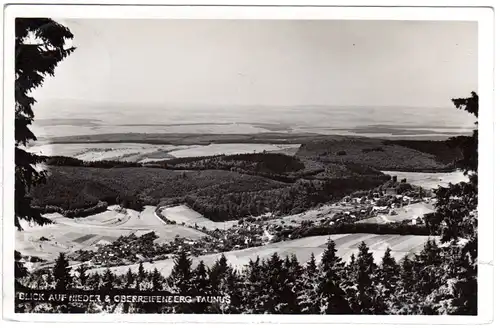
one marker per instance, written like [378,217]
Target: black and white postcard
[322,162]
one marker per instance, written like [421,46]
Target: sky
[184,63]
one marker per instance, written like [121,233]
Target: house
[390,191]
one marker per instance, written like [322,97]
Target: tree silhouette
[61,273]
[467,144]
[254,278]
[108,280]
[309,295]
[129,279]
[332,296]
[39,46]
[20,270]
[82,274]
[388,274]
[141,275]
[202,284]
[365,270]
[181,280]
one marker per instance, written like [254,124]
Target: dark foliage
[281,285]
[39,47]
[70,161]
[443,151]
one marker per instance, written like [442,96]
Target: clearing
[407,212]
[315,214]
[183,214]
[429,180]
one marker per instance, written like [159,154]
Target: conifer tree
[234,291]
[406,300]
[309,295]
[141,276]
[428,265]
[217,275]
[456,210]
[94,281]
[156,280]
[254,279]
[108,280]
[40,44]
[50,280]
[202,285]
[20,270]
[274,284]
[61,273]
[82,274]
[366,294]
[292,286]
[181,279]
[388,274]
[129,278]
[332,297]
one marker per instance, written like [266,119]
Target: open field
[429,180]
[407,212]
[346,244]
[231,149]
[69,235]
[139,152]
[183,214]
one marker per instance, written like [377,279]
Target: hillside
[433,156]
[74,187]
[221,188]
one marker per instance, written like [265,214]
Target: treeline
[158,212]
[435,281]
[73,213]
[262,162]
[274,166]
[70,161]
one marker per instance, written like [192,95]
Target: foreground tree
[61,273]
[332,297]
[181,280]
[40,45]
[456,211]
[308,297]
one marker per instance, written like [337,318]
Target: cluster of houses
[250,233]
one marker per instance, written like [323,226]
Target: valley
[243,200]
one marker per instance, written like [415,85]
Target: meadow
[70,235]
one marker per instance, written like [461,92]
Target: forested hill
[226,187]
[220,187]
[390,155]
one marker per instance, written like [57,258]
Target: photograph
[245,166]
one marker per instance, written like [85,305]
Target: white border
[483,16]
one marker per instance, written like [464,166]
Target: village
[374,206]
